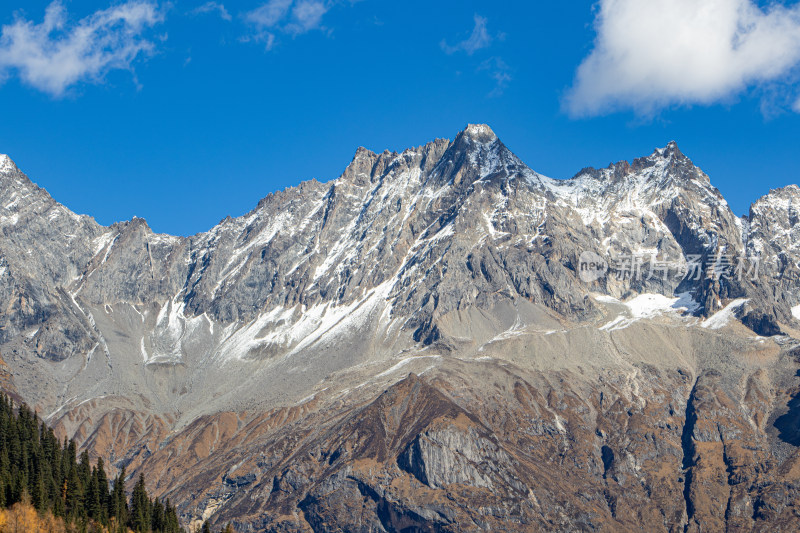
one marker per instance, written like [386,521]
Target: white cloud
[211,7]
[285,16]
[500,72]
[796,105]
[307,15]
[479,38]
[54,55]
[268,15]
[652,54]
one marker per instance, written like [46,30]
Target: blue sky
[185,112]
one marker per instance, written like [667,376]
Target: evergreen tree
[170,518]
[92,501]
[73,501]
[102,484]
[84,469]
[139,519]
[157,523]
[118,507]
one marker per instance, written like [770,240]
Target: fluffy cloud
[285,16]
[214,7]
[652,54]
[479,38]
[54,55]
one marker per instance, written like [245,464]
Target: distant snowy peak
[480,132]
[665,166]
[670,159]
[773,230]
[368,167]
[785,200]
[477,154]
[648,185]
[15,185]
[7,165]
[16,191]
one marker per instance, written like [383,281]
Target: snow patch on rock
[722,317]
[647,306]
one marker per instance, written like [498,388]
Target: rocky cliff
[437,340]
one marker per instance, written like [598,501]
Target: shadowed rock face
[257,372]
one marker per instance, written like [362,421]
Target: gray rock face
[440,251]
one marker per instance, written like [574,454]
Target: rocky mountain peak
[130,225]
[657,177]
[15,185]
[6,164]
[479,132]
[10,170]
[366,165]
[781,206]
[475,154]
[789,193]
[671,160]
[363,153]
[671,149]
[476,139]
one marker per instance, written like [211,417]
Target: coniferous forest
[45,486]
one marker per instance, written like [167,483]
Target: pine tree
[157,516]
[139,519]
[118,507]
[171,524]
[74,494]
[92,500]
[85,469]
[102,482]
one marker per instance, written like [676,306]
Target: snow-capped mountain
[127,339]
